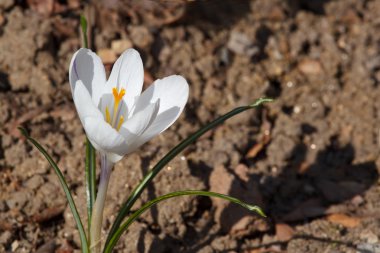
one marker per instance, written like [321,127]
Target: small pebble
[119,46]
[310,67]
[14,245]
[5,237]
[107,55]
[17,200]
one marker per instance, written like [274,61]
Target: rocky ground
[310,159]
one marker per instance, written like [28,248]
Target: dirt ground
[310,159]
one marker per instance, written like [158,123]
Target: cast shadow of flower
[293,196]
[303,192]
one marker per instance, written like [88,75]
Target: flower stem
[97,213]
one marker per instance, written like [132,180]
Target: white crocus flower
[116,117]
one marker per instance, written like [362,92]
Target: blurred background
[310,159]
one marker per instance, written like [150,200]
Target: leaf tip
[257,210]
[261,101]
[83,22]
[23,131]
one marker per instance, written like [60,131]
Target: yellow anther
[118,95]
[108,116]
[120,122]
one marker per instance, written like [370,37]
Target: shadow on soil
[212,14]
[296,195]
[314,6]
[304,191]
[299,193]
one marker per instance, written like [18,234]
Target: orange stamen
[121,121]
[108,116]
[117,95]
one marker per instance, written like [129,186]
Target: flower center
[115,121]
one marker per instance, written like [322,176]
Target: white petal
[134,127]
[88,67]
[128,73]
[107,100]
[173,92]
[141,120]
[114,158]
[83,102]
[104,138]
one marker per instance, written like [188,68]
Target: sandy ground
[310,159]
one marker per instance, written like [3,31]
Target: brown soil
[310,159]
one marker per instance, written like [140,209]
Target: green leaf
[116,236]
[90,171]
[62,180]
[83,24]
[126,207]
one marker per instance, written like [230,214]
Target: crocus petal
[113,158]
[83,102]
[173,92]
[104,138]
[88,67]
[128,73]
[134,127]
[107,100]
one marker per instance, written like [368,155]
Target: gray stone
[17,200]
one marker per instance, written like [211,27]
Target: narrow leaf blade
[126,207]
[66,189]
[116,236]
